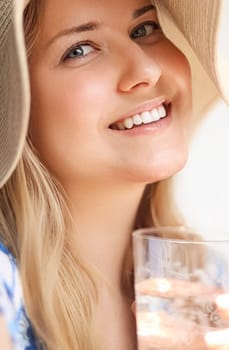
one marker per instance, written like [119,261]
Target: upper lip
[143,107]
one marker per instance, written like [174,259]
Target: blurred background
[201,189]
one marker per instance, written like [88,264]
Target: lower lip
[151,128]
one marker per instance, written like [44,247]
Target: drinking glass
[182,289]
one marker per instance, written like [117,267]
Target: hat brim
[205,27]
[15,94]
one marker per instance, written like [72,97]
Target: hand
[196,317]
[219,339]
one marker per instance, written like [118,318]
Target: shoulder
[11,301]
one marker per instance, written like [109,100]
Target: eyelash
[74,47]
[155,29]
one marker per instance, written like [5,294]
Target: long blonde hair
[34,223]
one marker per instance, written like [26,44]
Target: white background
[202,188]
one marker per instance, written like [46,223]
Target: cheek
[174,65]
[66,113]
[177,79]
[65,96]
[66,104]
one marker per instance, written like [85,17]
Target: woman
[110,110]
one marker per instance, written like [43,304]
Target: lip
[149,129]
[146,106]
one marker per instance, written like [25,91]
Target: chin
[169,171]
[161,169]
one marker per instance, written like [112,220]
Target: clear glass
[179,282]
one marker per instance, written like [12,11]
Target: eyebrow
[91,26]
[143,10]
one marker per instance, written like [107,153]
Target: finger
[161,331]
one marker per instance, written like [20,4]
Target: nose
[139,69]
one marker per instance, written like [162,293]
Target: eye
[78,51]
[145,29]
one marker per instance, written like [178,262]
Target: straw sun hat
[199,28]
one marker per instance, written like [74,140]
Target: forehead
[92,5]
[57,13]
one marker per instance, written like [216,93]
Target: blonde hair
[58,290]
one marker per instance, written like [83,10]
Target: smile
[146,117]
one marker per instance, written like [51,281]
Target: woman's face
[101,71]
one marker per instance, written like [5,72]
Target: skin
[5,342]
[103,171]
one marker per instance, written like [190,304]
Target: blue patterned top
[11,303]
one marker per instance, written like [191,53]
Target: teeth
[128,123]
[137,119]
[121,126]
[146,117]
[143,118]
[155,114]
[162,111]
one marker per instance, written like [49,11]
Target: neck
[103,219]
